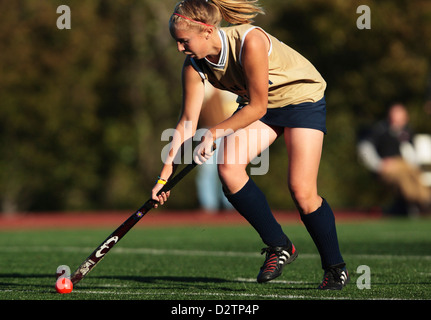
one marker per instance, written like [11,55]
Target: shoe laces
[334,274]
[274,256]
[278,251]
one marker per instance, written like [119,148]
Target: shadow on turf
[41,284]
[179,282]
[170,279]
[204,281]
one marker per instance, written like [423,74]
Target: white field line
[184,252]
[247,280]
[216,295]
[198,294]
[253,280]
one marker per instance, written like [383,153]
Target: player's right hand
[162,198]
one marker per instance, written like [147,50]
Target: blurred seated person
[388,151]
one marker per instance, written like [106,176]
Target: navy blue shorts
[310,115]
[304,115]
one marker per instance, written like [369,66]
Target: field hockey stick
[100,252]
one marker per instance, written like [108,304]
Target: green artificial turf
[216,263]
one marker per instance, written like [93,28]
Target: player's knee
[225,171]
[232,176]
[304,196]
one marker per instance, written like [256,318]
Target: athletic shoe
[276,259]
[335,278]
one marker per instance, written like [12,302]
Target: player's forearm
[184,131]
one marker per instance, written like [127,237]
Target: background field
[81,119]
[83,110]
[204,262]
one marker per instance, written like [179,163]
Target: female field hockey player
[280,93]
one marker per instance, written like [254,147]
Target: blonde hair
[212,12]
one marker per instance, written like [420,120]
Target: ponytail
[238,11]
[212,12]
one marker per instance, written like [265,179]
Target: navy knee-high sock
[251,203]
[320,225]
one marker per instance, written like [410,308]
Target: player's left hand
[205,149]
[162,198]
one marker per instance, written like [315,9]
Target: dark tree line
[82,110]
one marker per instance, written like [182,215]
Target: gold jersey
[292,78]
